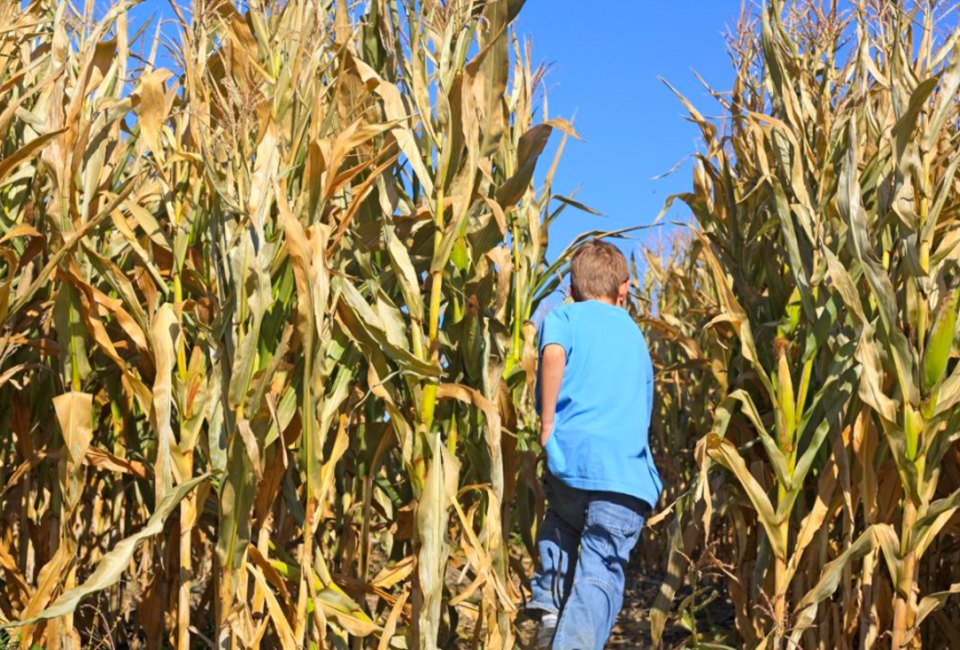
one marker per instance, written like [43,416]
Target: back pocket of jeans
[615,517]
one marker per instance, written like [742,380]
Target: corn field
[266,354]
[265,367]
[805,333]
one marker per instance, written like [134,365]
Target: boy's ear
[622,292]
[574,294]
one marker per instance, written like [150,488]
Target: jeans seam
[616,525]
[598,582]
[617,536]
[618,532]
[559,578]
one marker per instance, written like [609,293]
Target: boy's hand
[546,428]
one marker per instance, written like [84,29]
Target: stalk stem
[433,319]
[187,512]
[780,583]
[903,606]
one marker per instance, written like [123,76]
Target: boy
[595,397]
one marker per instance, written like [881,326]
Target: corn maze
[267,364]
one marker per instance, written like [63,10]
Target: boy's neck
[602,299]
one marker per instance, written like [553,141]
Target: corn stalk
[262,302]
[824,226]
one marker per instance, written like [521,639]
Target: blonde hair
[598,268]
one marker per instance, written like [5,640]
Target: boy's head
[599,272]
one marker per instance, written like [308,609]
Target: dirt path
[632,630]
[633,625]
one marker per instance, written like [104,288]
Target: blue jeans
[584,543]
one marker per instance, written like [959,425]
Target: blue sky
[605,59]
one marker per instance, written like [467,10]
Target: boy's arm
[552,363]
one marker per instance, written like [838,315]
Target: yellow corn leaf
[26,152]
[153,109]
[390,627]
[162,334]
[75,414]
[280,622]
[439,491]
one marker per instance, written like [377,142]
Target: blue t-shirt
[600,433]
